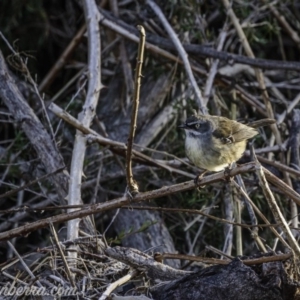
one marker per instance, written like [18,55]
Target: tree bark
[34,130]
[235,281]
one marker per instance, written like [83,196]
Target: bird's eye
[197,126]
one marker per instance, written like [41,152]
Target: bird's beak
[182,126]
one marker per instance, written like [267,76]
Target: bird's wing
[232,132]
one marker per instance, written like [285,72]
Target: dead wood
[145,263]
[185,225]
[45,148]
[235,281]
[205,51]
[230,281]
[294,144]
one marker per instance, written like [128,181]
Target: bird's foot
[199,177]
[227,175]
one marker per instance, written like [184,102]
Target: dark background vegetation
[41,30]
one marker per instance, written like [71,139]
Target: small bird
[213,143]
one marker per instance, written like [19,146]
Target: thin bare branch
[230,215]
[115,146]
[131,183]
[154,42]
[213,68]
[117,283]
[282,20]
[275,208]
[248,199]
[258,72]
[25,186]
[282,186]
[208,260]
[182,54]
[254,231]
[279,166]
[119,202]
[201,213]
[57,243]
[23,263]
[50,76]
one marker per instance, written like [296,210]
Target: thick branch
[33,128]
[88,112]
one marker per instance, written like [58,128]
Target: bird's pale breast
[212,155]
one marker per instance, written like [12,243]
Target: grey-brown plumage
[213,143]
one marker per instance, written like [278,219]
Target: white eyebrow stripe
[195,133]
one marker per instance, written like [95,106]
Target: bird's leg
[199,177]
[227,171]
